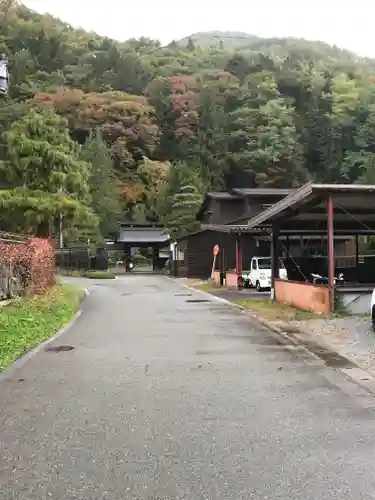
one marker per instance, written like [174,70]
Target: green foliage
[44,177]
[104,186]
[183,198]
[99,130]
[27,322]
[100,275]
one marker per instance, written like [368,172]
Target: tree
[245,112]
[104,186]
[122,118]
[190,45]
[154,176]
[182,198]
[264,138]
[173,45]
[46,180]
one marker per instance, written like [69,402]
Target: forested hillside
[94,131]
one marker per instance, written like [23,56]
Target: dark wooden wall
[199,252]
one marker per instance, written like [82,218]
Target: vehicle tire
[258,287]
[373,317]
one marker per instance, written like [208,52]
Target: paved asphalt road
[167,399]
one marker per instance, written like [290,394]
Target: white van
[260,273]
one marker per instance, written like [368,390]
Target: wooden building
[224,221]
[218,209]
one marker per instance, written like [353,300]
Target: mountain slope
[230,39]
[233,40]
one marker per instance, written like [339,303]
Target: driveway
[163,398]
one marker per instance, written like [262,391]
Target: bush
[100,275]
[32,262]
[140,260]
[72,273]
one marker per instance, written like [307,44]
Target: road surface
[162,398]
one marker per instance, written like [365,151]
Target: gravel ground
[351,336]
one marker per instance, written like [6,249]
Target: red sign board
[216,249]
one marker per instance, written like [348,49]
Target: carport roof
[305,209]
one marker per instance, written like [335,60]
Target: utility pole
[4,75]
[61,231]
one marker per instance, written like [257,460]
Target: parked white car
[260,273]
[372,309]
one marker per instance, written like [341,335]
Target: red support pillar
[275,259]
[331,253]
[239,261]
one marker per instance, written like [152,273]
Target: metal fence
[73,259]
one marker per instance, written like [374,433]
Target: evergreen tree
[190,45]
[183,198]
[104,187]
[45,178]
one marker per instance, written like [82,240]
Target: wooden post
[275,265]
[331,253]
[239,261]
[356,257]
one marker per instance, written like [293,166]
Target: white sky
[346,23]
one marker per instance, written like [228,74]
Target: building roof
[239,194]
[142,235]
[305,209]
[260,192]
[225,196]
[232,228]
[222,196]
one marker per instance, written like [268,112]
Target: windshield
[266,263]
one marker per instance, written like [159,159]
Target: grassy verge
[100,275]
[72,274]
[97,275]
[207,287]
[27,322]
[274,311]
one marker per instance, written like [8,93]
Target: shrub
[75,273]
[140,259]
[32,262]
[100,275]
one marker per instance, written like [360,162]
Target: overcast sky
[346,23]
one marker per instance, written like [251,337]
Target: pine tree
[104,189]
[190,45]
[183,198]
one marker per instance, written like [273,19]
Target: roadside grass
[207,287]
[274,311]
[72,274]
[99,275]
[29,321]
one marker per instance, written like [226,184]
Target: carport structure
[316,209]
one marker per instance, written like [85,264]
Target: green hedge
[100,275]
